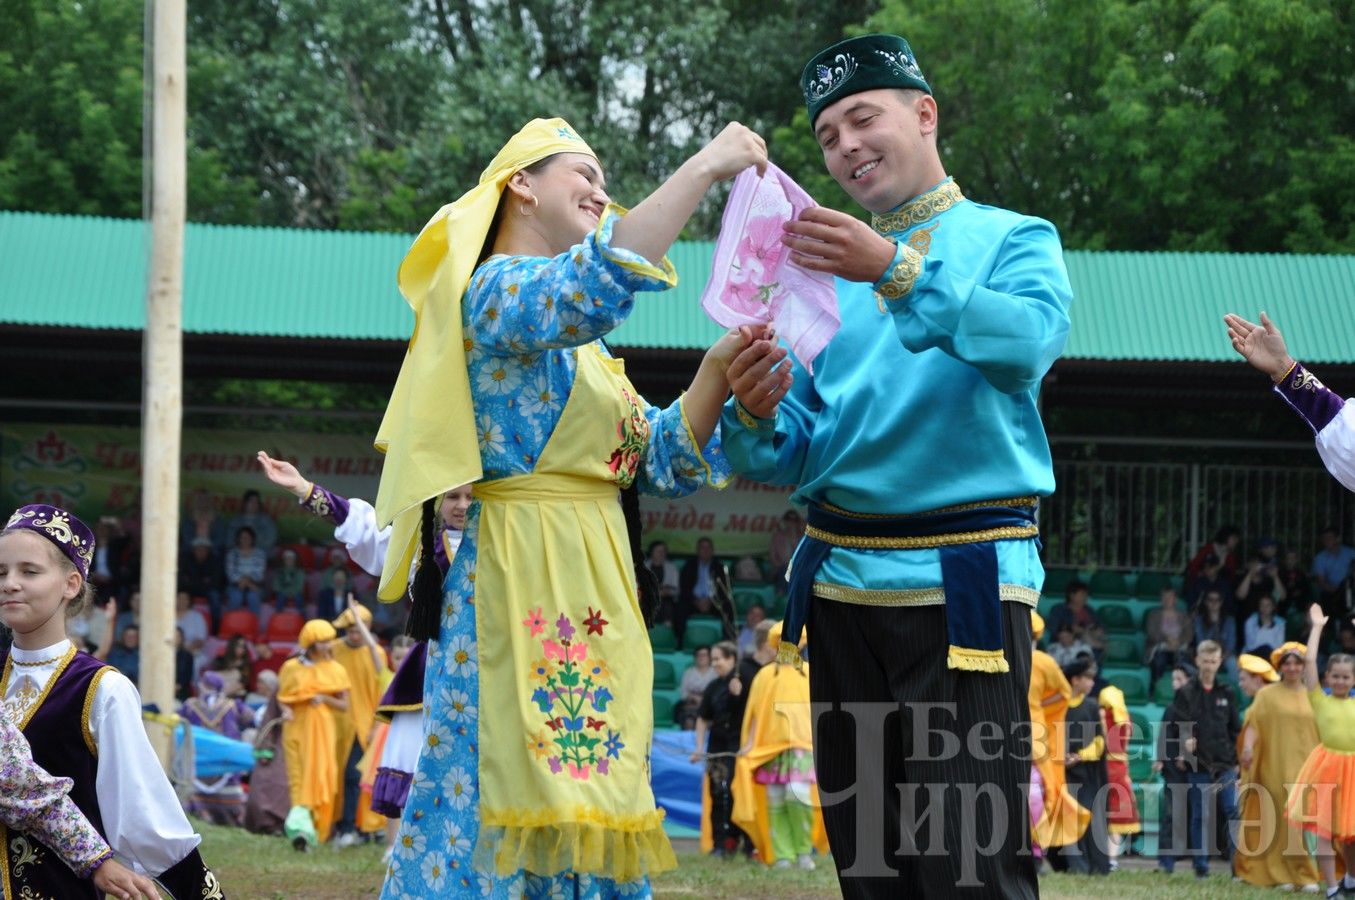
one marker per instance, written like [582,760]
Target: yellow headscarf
[1279,653]
[1036,624]
[1257,665]
[314,631]
[345,619]
[428,432]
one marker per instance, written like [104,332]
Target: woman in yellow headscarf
[533,778]
[1062,819]
[313,692]
[776,799]
[1278,733]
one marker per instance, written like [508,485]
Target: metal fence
[1154,516]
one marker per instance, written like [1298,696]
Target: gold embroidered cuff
[900,279]
[750,421]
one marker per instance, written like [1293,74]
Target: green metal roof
[74,271]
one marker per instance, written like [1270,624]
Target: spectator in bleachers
[703,590]
[715,716]
[1212,625]
[219,801]
[129,616]
[86,628]
[1077,613]
[202,574]
[1204,724]
[289,583]
[111,570]
[1345,595]
[1263,630]
[666,574]
[1211,578]
[125,654]
[253,517]
[1297,587]
[1331,566]
[236,657]
[1066,647]
[1224,548]
[183,668]
[1085,769]
[202,523]
[333,595]
[194,628]
[1169,763]
[1170,633]
[694,681]
[748,571]
[747,641]
[1261,578]
[785,539]
[245,565]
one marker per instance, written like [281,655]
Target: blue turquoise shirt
[926,397]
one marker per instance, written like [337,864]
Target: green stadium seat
[777,609]
[702,631]
[1150,584]
[665,701]
[747,596]
[1163,695]
[1055,580]
[1108,583]
[1140,767]
[1142,735]
[662,639]
[1132,681]
[665,677]
[1117,618]
[1123,650]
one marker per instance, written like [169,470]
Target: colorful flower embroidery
[633,433]
[570,688]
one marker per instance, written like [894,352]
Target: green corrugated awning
[82,272]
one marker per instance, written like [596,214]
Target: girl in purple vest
[83,721]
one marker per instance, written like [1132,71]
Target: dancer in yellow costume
[1063,820]
[1278,733]
[313,691]
[365,662]
[776,801]
[534,776]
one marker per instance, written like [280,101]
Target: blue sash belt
[966,537]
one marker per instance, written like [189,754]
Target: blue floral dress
[524,319]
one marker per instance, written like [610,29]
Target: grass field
[264,868]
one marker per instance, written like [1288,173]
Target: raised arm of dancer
[285,475]
[1318,619]
[378,659]
[654,224]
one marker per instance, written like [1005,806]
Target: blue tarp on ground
[214,755]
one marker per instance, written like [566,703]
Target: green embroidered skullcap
[859,64]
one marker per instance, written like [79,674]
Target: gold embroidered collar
[919,209]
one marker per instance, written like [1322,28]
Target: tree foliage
[1131,124]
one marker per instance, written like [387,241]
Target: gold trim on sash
[1011,593]
[926,542]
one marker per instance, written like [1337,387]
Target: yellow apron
[566,674]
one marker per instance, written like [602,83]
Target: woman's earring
[536,202]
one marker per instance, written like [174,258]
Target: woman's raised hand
[734,149]
[285,475]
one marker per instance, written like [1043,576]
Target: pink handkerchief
[752,280]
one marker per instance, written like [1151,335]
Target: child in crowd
[82,719]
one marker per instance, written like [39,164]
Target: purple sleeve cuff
[1309,397]
[326,504]
[390,790]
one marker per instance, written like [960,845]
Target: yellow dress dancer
[1270,849]
[776,801]
[315,688]
[354,732]
[1063,820]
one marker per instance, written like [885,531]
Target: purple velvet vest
[405,692]
[58,733]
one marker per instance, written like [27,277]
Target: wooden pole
[162,403]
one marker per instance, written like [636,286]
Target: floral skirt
[794,766]
[432,856]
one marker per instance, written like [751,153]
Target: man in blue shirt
[917,446]
[1331,566]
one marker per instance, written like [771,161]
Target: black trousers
[937,761]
